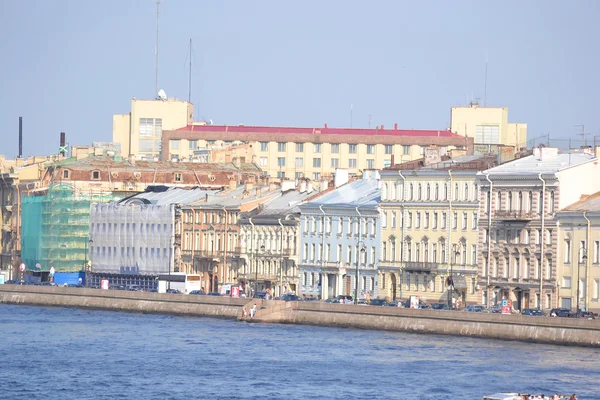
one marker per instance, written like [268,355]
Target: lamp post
[582,261]
[361,250]
[451,277]
[262,249]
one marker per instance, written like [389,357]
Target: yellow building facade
[488,125]
[139,132]
[430,230]
[578,269]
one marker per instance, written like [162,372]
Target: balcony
[418,266]
[516,215]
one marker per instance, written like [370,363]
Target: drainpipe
[542,240]
[450,217]
[281,260]
[403,224]
[357,256]
[324,293]
[253,258]
[489,239]
[587,261]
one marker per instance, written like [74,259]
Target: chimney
[236,162]
[382,127]
[432,155]
[392,160]
[232,184]
[20,137]
[245,194]
[131,159]
[325,126]
[341,177]
[302,185]
[249,185]
[324,184]
[272,186]
[395,126]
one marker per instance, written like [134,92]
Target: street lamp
[582,262]
[262,249]
[361,250]
[451,277]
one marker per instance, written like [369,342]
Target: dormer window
[96,175]
[66,174]
[177,177]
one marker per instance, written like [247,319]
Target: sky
[69,65]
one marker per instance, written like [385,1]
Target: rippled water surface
[62,353]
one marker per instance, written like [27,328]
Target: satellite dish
[162,95]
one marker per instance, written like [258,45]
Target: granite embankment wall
[563,331]
[209,306]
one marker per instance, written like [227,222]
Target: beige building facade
[519,227]
[140,131]
[430,211]
[314,153]
[579,259]
[488,125]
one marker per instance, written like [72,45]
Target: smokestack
[62,143]
[20,137]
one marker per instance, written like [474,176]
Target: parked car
[134,288]
[378,302]
[311,299]
[214,294]
[535,312]
[332,301]
[440,306]
[474,308]
[560,312]
[496,309]
[198,292]
[345,299]
[259,295]
[290,297]
[586,315]
[173,291]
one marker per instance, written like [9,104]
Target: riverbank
[560,331]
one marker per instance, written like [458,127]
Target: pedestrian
[253,311]
[573,397]
[244,312]
[79,281]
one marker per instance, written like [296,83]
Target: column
[324,286]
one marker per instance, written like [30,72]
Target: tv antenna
[582,134]
[156,47]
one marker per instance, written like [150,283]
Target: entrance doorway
[348,285]
[393,282]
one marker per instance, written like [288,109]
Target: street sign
[507,306]
[62,149]
[22,267]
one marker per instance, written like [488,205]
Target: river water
[63,353]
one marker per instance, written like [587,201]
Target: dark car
[585,315]
[173,291]
[379,302]
[496,309]
[332,301]
[214,294]
[474,308]
[290,297]
[535,312]
[440,306]
[198,292]
[560,312]
[260,295]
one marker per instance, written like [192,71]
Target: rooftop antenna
[582,134]
[190,75]
[350,116]
[156,48]
[370,115]
[485,81]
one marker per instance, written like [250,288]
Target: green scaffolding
[55,228]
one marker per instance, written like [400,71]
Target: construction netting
[55,228]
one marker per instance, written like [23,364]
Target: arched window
[510,201]
[456,192]
[445,194]
[521,205]
[530,202]
[552,202]
[384,190]
[428,191]
[436,193]
[419,192]
[411,193]
[466,191]
[393,189]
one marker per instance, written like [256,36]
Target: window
[419,192]
[263,161]
[66,174]
[455,221]
[567,251]
[406,150]
[443,221]
[435,220]
[335,148]
[299,162]
[566,283]
[552,204]
[487,134]
[299,147]
[317,147]
[281,146]
[474,221]
[466,191]
[370,149]
[410,218]
[370,164]
[352,163]
[177,177]
[426,222]
[418,219]
[281,174]
[174,144]
[96,175]
[281,161]
[335,162]
[389,148]
[192,144]
[582,250]
[316,163]
[428,192]
[596,252]
[352,149]
[316,176]
[264,146]
[393,219]
[340,225]
[473,254]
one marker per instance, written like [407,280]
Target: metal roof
[590,204]
[172,195]
[533,165]
[357,193]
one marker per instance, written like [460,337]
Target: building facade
[430,213]
[488,125]
[518,224]
[314,153]
[340,235]
[139,133]
[579,258]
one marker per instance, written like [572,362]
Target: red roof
[317,131]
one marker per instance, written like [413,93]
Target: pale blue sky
[69,65]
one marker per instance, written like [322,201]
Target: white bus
[179,281]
